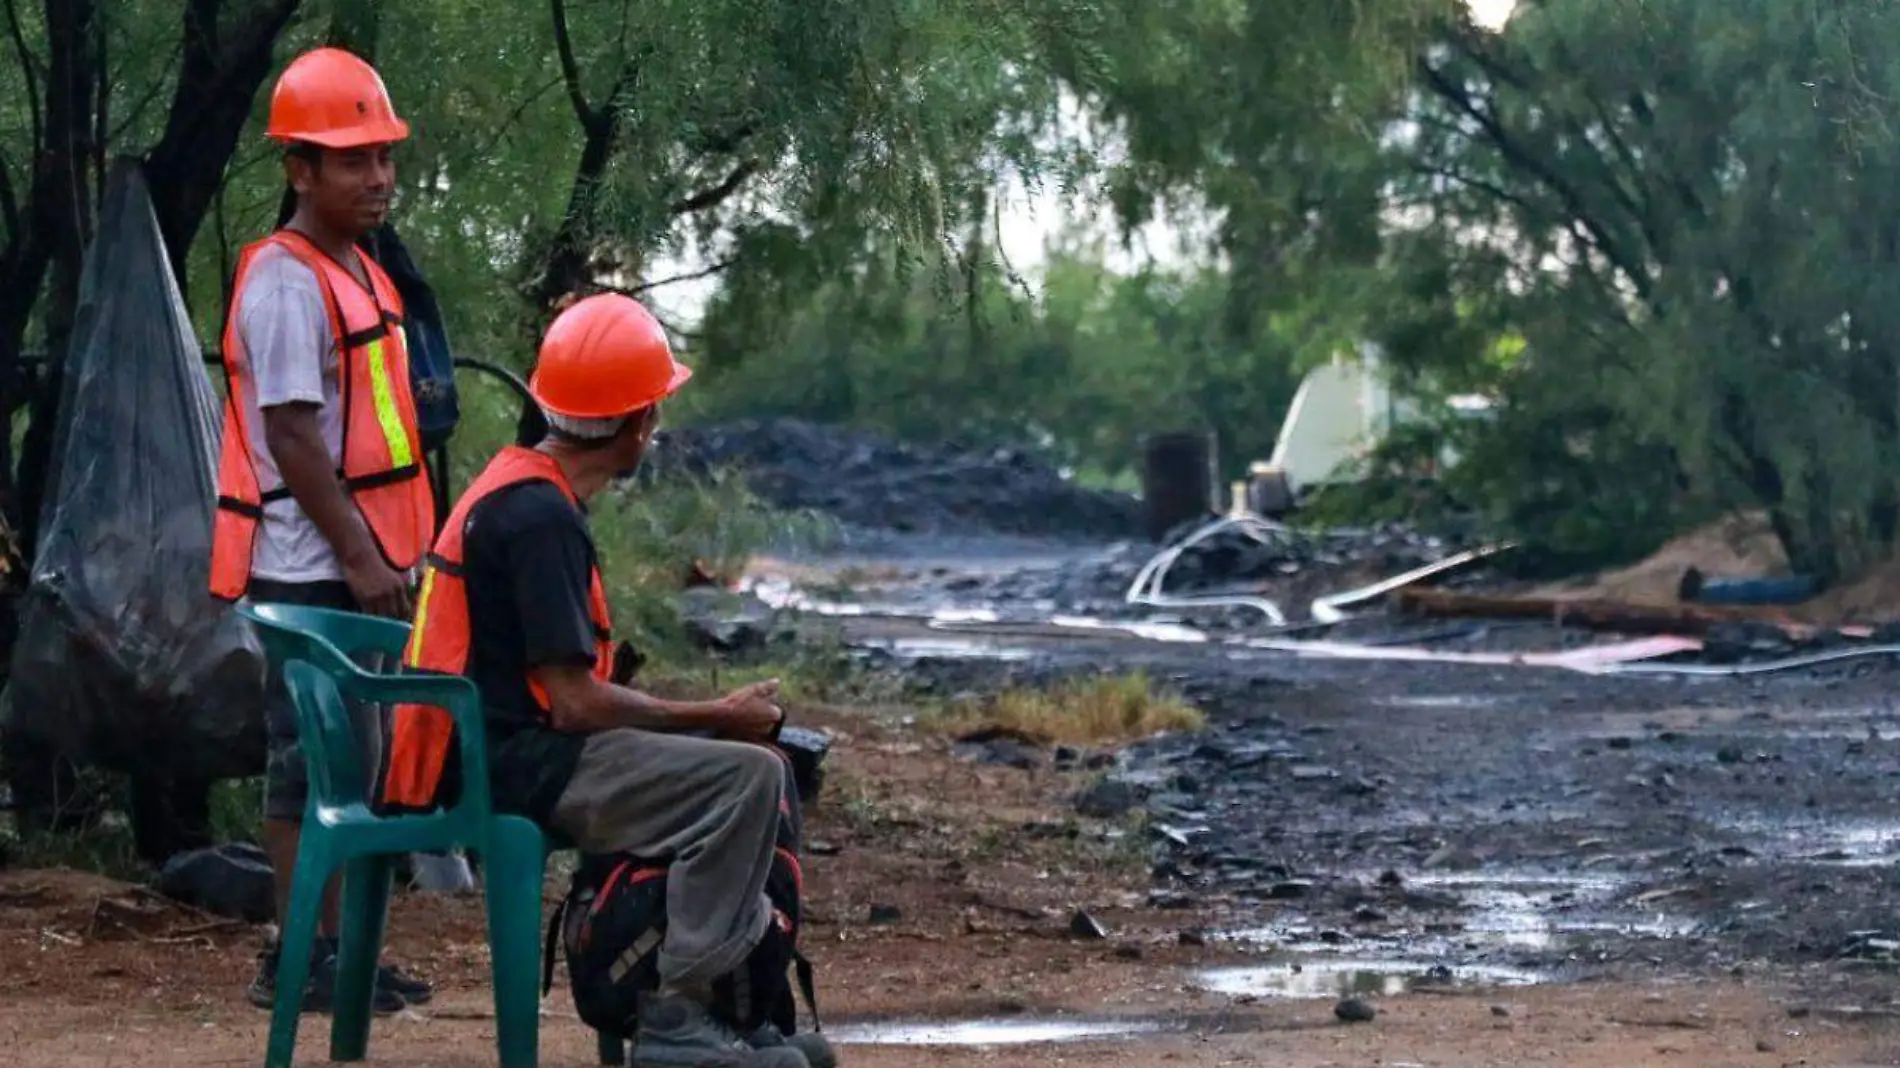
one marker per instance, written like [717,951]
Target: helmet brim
[681,375]
[379,132]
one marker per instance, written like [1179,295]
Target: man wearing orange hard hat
[323,497]
[513,599]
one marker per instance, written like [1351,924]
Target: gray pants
[709,808]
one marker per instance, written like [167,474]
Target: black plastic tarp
[125,660]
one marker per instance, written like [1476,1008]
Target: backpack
[431,362]
[613,918]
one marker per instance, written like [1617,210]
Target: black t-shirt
[527,562]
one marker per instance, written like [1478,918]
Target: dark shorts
[286,780]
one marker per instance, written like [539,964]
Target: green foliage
[1085,369]
[1670,203]
[652,536]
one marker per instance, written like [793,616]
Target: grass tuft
[1081,711]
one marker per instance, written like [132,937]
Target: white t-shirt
[289,344]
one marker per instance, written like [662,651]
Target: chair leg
[365,914]
[515,865]
[613,1049]
[294,946]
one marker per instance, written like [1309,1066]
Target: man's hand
[379,588]
[753,711]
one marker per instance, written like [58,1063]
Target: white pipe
[1146,590]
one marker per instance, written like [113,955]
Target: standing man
[322,495]
[513,599]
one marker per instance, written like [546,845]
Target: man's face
[633,443]
[350,190]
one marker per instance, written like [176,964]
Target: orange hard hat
[604,357]
[332,98]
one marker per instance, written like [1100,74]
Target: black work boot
[816,1047]
[678,1032]
[319,994]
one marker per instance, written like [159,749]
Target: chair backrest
[331,754]
[322,646]
[327,637]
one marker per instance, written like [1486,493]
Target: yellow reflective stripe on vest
[384,394]
[412,657]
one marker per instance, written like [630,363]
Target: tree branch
[707,198]
[9,207]
[728,142]
[30,71]
[514,116]
[570,69]
[1491,189]
[1518,156]
[690,276]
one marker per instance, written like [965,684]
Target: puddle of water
[1859,844]
[1340,978]
[778,593]
[1505,910]
[1440,701]
[1152,631]
[949,649]
[985,1032]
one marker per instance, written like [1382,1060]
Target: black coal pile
[1292,568]
[866,480]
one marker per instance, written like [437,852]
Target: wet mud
[1375,826]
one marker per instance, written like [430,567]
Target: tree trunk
[219,77]
[63,202]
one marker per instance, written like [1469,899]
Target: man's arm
[296,443]
[550,562]
[578,702]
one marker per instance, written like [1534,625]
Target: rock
[1728,754]
[1355,1010]
[1290,890]
[1391,878]
[885,914]
[1001,752]
[1083,925]
[1734,641]
[1192,936]
[1108,799]
[1169,900]
[434,873]
[1500,1012]
[229,880]
[1369,914]
[726,622]
[1764,1046]
[1128,952]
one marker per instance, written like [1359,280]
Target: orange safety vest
[382,469]
[422,736]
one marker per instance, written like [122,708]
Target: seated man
[513,599]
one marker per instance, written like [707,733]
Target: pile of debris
[865,480]
[1292,568]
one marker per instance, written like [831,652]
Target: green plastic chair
[314,647]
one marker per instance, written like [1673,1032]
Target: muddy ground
[1510,865]
[975,874]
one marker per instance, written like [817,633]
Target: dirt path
[1616,1027]
[982,869]
[1606,873]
